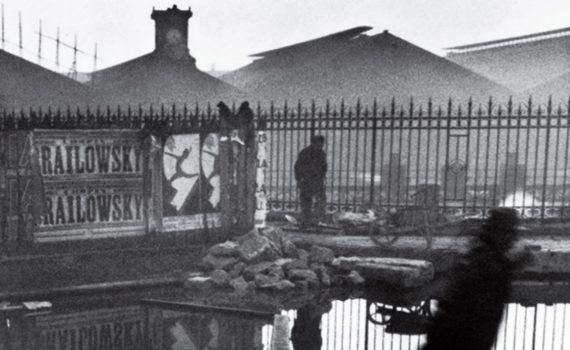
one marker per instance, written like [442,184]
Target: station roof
[517,40]
[351,64]
[28,85]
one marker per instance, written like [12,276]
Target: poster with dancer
[191,182]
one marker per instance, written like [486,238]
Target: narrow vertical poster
[260,191]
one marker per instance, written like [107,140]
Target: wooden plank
[186,306]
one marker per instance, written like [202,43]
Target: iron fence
[462,158]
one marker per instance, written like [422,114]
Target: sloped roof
[27,85]
[156,79]
[325,42]
[558,88]
[513,41]
[518,63]
[359,66]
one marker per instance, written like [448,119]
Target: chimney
[171,32]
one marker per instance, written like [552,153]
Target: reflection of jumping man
[179,161]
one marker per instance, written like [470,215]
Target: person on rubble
[470,311]
[310,173]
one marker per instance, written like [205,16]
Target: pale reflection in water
[346,327]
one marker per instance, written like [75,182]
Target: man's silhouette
[469,313]
[310,172]
[306,333]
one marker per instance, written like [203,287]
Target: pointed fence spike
[549,105]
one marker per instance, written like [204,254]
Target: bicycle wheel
[381,235]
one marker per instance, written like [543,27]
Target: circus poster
[191,182]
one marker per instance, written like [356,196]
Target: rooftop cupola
[171,32]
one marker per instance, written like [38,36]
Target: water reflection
[361,325]
[352,324]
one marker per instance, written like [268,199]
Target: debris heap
[265,259]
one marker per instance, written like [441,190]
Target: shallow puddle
[354,324]
[174,321]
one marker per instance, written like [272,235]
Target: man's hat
[317,138]
[503,218]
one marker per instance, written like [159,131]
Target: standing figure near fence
[245,118]
[310,173]
[470,311]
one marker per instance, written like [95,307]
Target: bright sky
[224,32]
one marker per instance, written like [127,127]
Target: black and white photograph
[284,175]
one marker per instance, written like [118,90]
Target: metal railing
[462,158]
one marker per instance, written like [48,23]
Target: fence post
[447,140]
[313,118]
[467,152]
[155,163]
[487,154]
[546,150]
[374,141]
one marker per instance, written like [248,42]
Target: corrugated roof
[324,40]
[517,40]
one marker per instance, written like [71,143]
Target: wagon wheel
[382,235]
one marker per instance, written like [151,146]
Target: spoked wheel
[381,235]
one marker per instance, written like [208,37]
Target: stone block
[258,248]
[304,275]
[237,270]
[199,283]
[301,286]
[219,262]
[399,272]
[262,280]
[355,278]
[250,271]
[303,255]
[228,248]
[276,270]
[296,265]
[321,255]
[239,284]
[290,249]
[281,286]
[220,278]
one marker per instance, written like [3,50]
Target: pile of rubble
[265,259]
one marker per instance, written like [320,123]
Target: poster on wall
[92,210]
[191,182]
[261,208]
[91,183]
